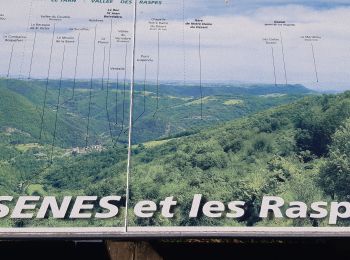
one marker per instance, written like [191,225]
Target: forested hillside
[299,151]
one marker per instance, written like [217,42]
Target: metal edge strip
[172,232]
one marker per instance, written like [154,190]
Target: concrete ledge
[171,232]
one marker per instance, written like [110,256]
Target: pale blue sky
[232,49]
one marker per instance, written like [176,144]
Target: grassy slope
[241,160]
[21,108]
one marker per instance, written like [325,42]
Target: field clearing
[153,144]
[205,100]
[233,102]
[33,189]
[273,95]
[27,147]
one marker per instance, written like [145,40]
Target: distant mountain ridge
[178,108]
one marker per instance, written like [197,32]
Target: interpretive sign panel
[174,118]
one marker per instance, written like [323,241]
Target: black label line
[200,73]
[274,65]
[107,111]
[158,68]
[103,67]
[26,35]
[184,43]
[116,99]
[315,64]
[47,83]
[9,66]
[90,92]
[144,95]
[57,105]
[124,95]
[32,56]
[284,60]
[108,79]
[76,67]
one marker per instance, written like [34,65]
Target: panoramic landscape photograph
[232,100]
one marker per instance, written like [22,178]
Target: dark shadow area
[63,250]
[255,249]
[313,248]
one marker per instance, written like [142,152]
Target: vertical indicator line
[9,66]
[124,84]
[158,57]
[57,106]
[200,73]
[107,112]
[128,168]
[284,60]
[22,56]
[103,66]
[25,40]
[109,51]
[183,42]
[144,90]
[76,66]
[144,95]
[108,78]
[184,49]
[116,100]
[75,80]
[32,56]
[47,83]
[274,65]
[90,93]
[124,94]
[315,65]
